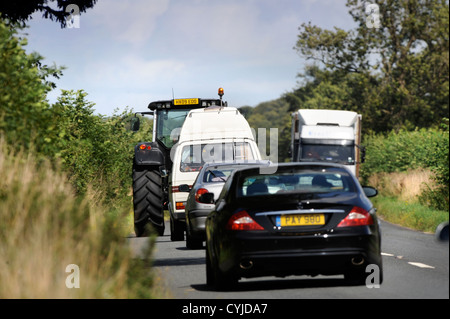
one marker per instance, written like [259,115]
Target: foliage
[45,228]
[48,223]
[267,115]
[24,111]
[21,10]
[324,89]
[409,214]
[438,161]
[396,75]
[400,151]
[406,150]
[95,150]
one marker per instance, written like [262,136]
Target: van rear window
[193,157]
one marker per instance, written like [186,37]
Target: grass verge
[45,228]
[409,214]
[398,199]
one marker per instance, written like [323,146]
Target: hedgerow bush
[401,151]
[95,150]
[438,161]
[48,223]
[408,150]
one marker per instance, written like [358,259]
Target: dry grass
[399,201]
[406,186]
[45,227]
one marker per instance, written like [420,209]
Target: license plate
[185,101]
[300,220]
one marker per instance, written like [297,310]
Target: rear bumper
[301,255]
[295,263]
[178,215]
[197,221]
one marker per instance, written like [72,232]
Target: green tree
[25,114]
[272,114]
[21,10]
[395,73]
[94,150]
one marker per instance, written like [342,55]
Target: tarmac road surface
[416,266]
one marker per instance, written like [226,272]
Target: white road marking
[386,254]
[420,265]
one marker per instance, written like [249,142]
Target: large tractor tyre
[147,200]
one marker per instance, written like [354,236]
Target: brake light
[357,217]
[143,147]
[242,221]
[199,193]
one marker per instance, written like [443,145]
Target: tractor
[152,163]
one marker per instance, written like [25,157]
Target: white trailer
[327,135]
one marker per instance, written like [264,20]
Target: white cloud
[130,21]
[133,72]
[130,52]
[231,28]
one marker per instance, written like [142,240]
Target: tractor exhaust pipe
[246,264]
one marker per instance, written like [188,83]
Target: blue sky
[131,52]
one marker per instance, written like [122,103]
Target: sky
[127,53]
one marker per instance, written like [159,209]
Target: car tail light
[199,193]
[243,221]
[357,217]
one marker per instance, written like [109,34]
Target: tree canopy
[396,73]
[55,10]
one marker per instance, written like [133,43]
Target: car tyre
[216,278]
[209,274]
[191,241]
[176,230]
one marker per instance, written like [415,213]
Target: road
[415,267]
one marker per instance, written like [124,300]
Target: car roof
[252,162]
[290,165]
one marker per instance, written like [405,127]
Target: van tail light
[199,193]
[357,217]
[180,205]
[243,221]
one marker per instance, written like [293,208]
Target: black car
[305,219]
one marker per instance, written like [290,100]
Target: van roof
[330,117]
[215,123]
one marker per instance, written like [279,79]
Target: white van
[214,134]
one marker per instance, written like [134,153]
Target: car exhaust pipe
[246,264]
[357,261]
